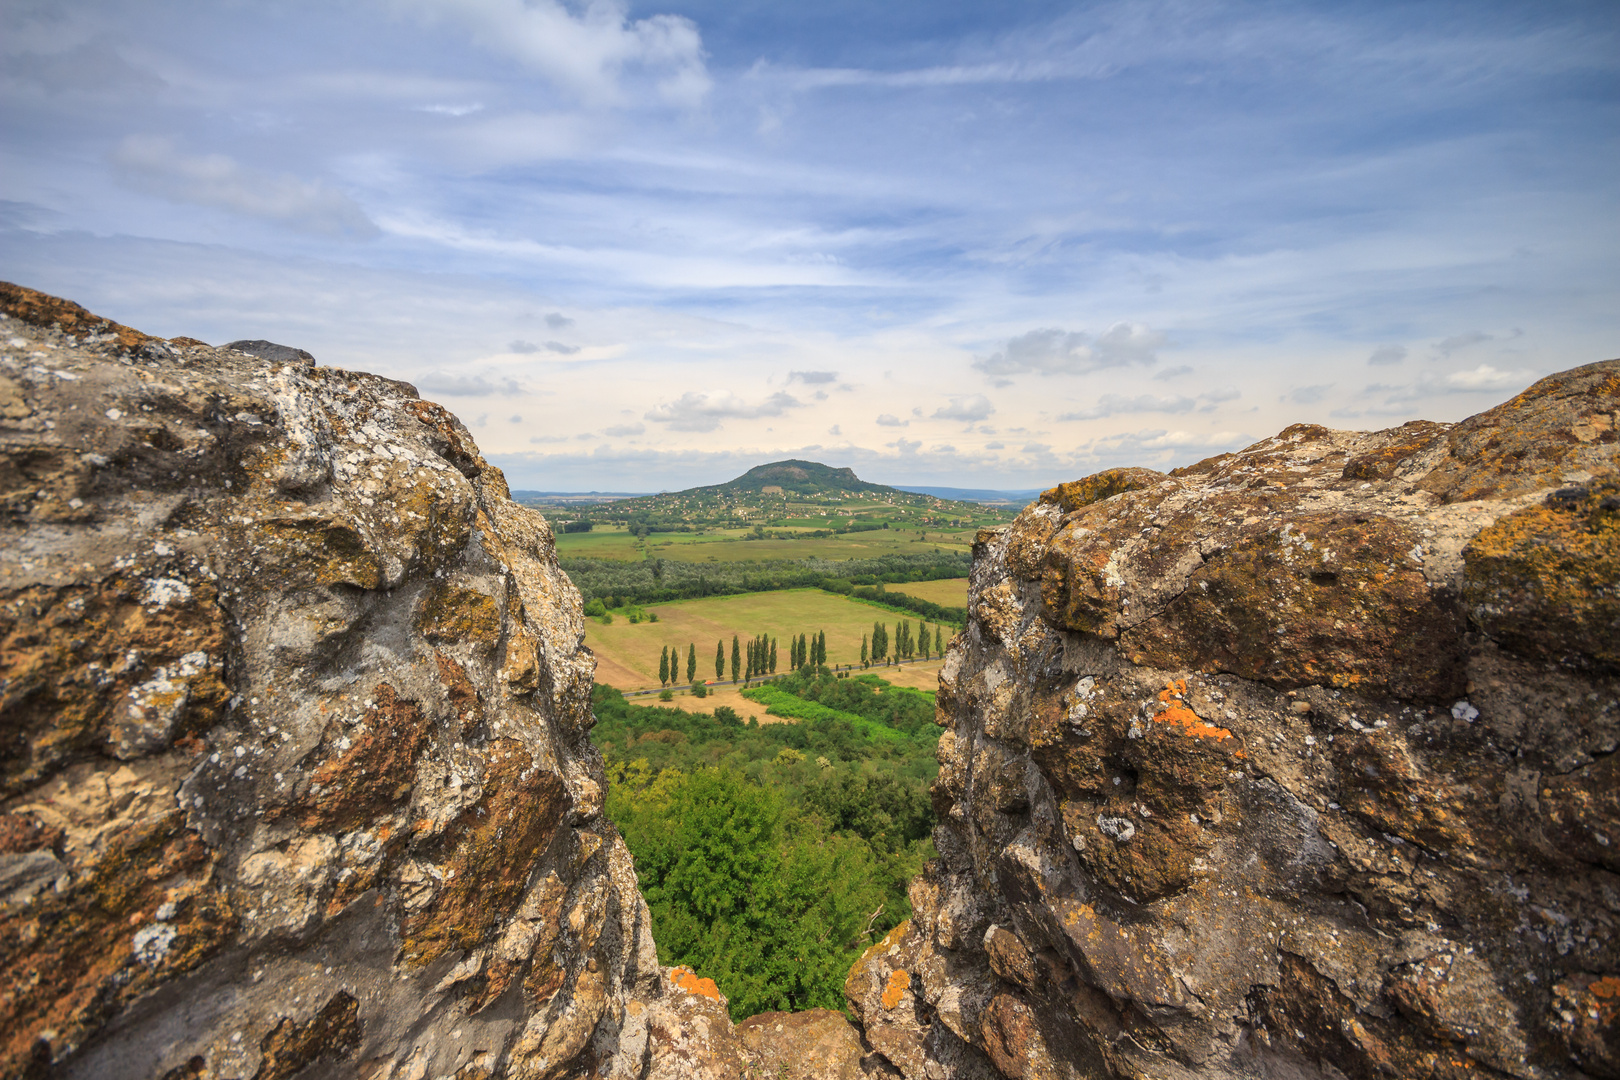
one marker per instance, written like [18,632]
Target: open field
[950,592]
[627,656]
[729,545]
[718,695]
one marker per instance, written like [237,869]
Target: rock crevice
[1295,763]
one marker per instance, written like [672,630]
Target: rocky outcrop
[1298,762]
[296,775]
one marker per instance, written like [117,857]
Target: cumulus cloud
[813,377]
[1174,372]
[1387,354]
[156,165]
[1036,447]
[1117,404]
[995,446]
[522,347]
[1446,346]
[1485,377]
[587,54]
[619,431]
[891,420]
[558,321]
[1058,352]
[454,384]
[967,409]
[699,411]
[559,347]
[906,446]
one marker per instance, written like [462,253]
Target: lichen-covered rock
[1299,762]
[817,1044]
[294,766]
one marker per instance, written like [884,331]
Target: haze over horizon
[647,246]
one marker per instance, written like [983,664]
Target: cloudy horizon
[647,246]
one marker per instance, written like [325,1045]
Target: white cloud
[1485,377]
[558,321]
[1446,346]
[698,411]
[154,164]
[1173,372]
[619,431]
[559,347]
[449,384]
[587,54]
[1387,354]
[1057,352]
[967,409]
[813,377]
[1116,404]
[451,110]
[995,446]
[891,420]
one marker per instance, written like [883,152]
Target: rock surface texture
[296,775]
[1295,763]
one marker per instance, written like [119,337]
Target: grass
[951,592]
[728,545]
[627,656]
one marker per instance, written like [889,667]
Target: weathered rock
[295,776]
[817,1044]
[1296,763]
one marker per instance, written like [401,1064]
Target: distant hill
[978,495]
[798,478]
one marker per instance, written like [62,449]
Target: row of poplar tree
[757,656]
[749,659]
[907,644]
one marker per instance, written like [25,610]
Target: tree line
[617,584]
[757,656]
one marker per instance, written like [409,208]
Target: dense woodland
[771,855]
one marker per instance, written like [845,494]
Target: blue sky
[649,246]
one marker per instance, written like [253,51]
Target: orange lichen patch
[687,980]
[1191,724]
[42,309]
[1606,991]
[1099,486]
[899,983]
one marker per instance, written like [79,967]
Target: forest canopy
[771,855]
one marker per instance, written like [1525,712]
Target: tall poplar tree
[773,656]
[663,666]
[736,657]
[863,650]
[691,662]
[939,642]
[719,659]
